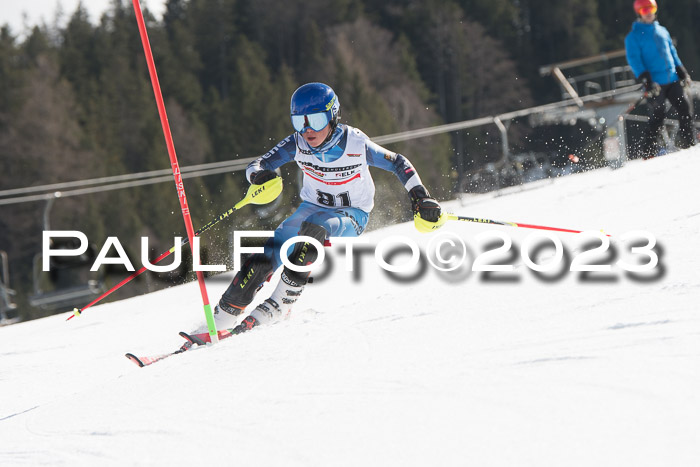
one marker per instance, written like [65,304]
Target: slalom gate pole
[453,217]
[211,325]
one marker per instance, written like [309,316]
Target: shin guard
[304,253]
[241,292]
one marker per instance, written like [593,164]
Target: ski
[149,360]
[194,341]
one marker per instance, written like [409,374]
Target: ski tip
[135,359]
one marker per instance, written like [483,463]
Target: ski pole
[454,217]
[634,104]
[257,194]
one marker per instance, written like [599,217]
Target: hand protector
[262,194]
[424,226]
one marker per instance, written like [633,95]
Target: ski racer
[337,197]
[655,63]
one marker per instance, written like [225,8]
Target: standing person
[337,196]
[655,63]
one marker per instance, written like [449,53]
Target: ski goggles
[316,122]
[647,10]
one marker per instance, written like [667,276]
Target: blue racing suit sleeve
[384,159]
[276,157]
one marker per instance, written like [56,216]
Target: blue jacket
[649,48]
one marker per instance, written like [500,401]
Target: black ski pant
[675,95]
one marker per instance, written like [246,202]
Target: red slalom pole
[173,162]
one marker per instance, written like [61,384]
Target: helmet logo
[330,104]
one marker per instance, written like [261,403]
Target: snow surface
[449,369]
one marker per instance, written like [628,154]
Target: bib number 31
[327,199]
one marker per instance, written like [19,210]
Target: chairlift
[69,282]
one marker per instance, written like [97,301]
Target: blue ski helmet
[314,105]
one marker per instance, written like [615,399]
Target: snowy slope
[450,369]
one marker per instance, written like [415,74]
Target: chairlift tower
[8,309]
